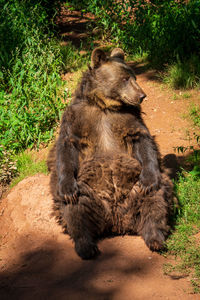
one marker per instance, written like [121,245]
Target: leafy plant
[30,65]
[182,243]
[184,74]
[195,115]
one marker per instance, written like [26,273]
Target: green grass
[195,114]
[72,59]
[71,83]
[186,95]
[30,66]
[32,96]
[30,77]
[184,74]
[139,57]
[28,165]
[182,243]
[8,168]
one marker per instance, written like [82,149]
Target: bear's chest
[106,137]
[107,133]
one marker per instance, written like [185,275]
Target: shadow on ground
[175,163]
[50,272]
[149,70]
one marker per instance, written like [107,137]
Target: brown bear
[106,174]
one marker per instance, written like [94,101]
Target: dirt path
[37,261]
[167,118]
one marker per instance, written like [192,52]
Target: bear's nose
[142,96]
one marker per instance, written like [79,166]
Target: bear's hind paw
[86,249]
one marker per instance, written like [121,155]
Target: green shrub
[30,62]
[32,97]
[184,74]
[163,28]
[168,31]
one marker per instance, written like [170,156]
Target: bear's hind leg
[81,230]
[85,223]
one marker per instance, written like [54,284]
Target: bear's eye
[125,79]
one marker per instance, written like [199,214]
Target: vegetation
[168,31]
[28,164]
[183,244]
[184,74]
[8,167]
[195,115]
[72,60]
[30,65]
[31,60]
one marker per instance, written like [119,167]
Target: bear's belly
[110,177]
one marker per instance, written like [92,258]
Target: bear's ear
[117,52]
[97,58]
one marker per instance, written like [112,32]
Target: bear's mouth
[141,97]
[135,102]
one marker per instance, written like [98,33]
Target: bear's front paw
[68,190]
[86,249]
[149,180]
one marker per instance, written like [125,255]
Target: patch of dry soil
[167,118]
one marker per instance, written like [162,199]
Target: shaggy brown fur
[105,166]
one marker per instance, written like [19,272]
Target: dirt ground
[37,261]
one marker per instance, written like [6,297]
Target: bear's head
[114,81]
